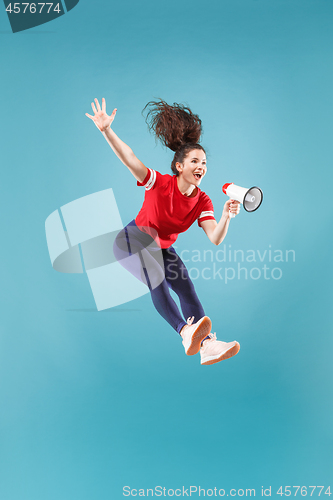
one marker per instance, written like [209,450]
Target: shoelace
[212,337]
[190,320]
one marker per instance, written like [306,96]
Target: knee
[120,248]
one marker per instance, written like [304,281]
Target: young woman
[172,204]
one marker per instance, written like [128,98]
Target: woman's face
[193,167]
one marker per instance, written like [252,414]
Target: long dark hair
[176,127]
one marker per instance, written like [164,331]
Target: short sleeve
[207,212]
[149,181]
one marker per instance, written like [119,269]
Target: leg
[136,252]
[180,282]
[212,350]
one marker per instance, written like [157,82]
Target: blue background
[91,402]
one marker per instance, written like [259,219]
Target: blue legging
[160,269]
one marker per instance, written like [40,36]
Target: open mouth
[197,176]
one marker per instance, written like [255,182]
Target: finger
[97,104]
[93,108]
[93,119]
[113,114]
[103,105]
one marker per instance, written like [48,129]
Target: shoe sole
[198,335]
[210,360]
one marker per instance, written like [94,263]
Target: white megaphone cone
[250,198]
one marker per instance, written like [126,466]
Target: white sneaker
[193,335]
[213,351]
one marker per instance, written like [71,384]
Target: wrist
[226,215]
[104,129]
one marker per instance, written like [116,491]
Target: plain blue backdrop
[91,402]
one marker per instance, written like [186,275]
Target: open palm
[100,118]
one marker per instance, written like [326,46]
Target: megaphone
[251,199]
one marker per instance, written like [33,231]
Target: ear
[179,167]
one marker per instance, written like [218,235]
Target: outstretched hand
[100,118]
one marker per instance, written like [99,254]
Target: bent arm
[217,231]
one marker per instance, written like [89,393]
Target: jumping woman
[172,204]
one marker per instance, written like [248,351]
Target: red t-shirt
[167,211]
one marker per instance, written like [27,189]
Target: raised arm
[124,152]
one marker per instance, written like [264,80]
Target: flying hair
[175,126]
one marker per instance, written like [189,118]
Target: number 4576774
[32,8]
[303,490]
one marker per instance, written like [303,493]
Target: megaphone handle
[231,215]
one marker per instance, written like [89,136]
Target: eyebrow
[195,158]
